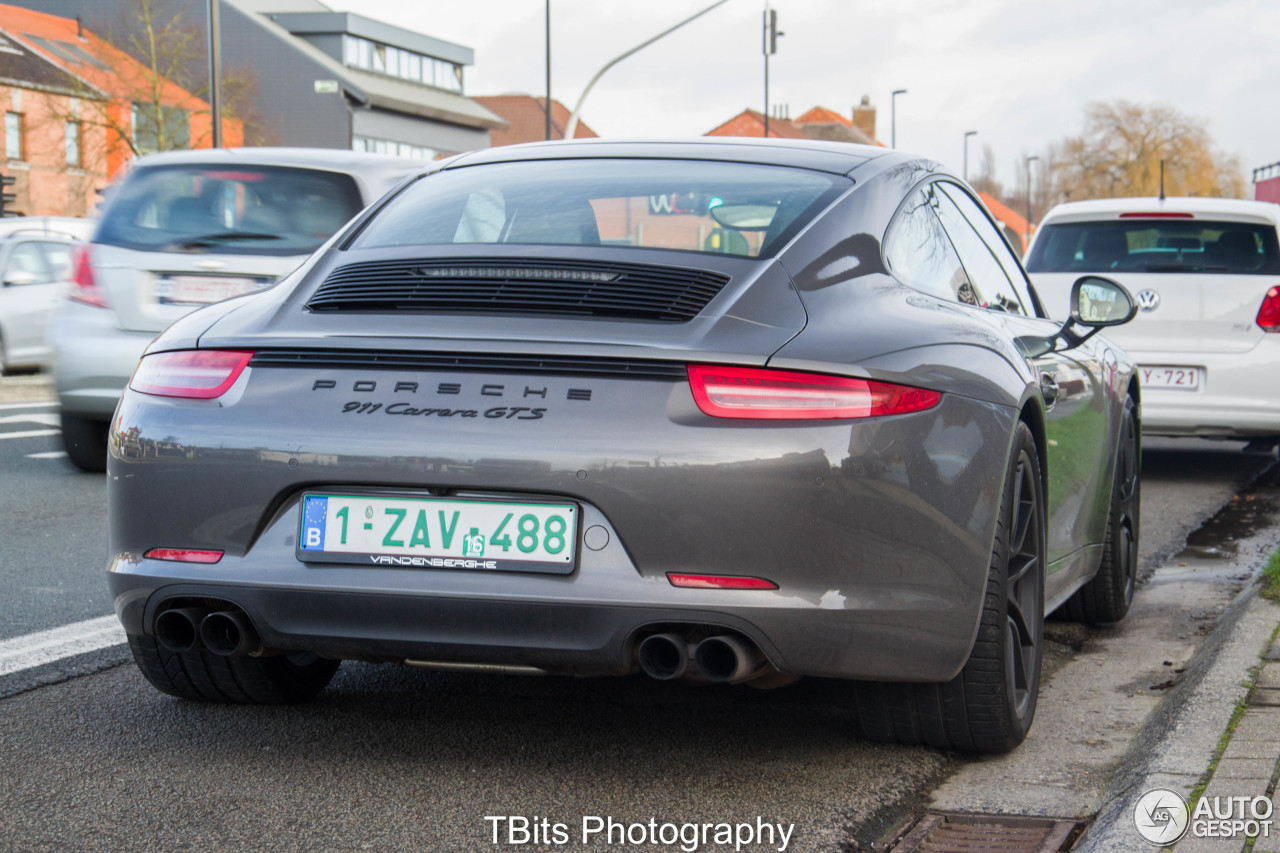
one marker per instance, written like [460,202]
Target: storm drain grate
[992,833]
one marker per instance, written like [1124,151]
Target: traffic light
[771,32]
[7,198]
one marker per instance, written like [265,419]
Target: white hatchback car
[181,230]
[1206,276]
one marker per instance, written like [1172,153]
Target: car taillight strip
[718,581]
[194,374]
[761,393]
[1158,214]
[183,555]
[84,288]
[1269,313]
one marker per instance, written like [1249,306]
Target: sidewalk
[1221,741]
[1248,765]
[26,387]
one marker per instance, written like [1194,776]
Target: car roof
[835,157]
[334,159]
[51,227]
[1232,209]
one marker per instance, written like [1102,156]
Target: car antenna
[1162,179]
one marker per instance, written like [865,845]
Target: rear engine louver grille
[520,286]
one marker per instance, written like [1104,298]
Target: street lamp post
[215,74]
[893,117]
[1030,159]
[577,109]
[967,134]
[547,111]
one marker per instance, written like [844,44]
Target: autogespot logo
[1161,816]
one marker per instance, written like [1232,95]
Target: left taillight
[84,287]
[196,374]
[760,393]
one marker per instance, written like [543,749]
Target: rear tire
[204,677]
[989,706]
[85,441]
[1107,597]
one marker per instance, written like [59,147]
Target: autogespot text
[517,830]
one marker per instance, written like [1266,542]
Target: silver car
[723,411]
[183,230]
[35,265]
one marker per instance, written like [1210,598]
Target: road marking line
[52,454]
[43,647]
[53,403]
[47,418]
[29,433]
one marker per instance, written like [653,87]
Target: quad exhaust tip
[723,658]
[663,656]
[178,630]
[228,633]
[726,658]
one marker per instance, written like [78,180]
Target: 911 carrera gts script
[520,413]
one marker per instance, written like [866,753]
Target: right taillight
[1269,313]
[83,286]
[765,393]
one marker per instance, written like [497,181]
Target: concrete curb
[1177,747]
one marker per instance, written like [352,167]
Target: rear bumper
[93,358]
[878,533]
[1238,397]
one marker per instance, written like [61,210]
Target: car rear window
[1156,246]
[228,208]
[698,206]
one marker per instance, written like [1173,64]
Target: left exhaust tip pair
[223,632]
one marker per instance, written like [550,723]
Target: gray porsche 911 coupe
[729,411]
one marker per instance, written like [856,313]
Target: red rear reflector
[83,287]
[198,374]
[183,555]
[1269,313]
[751,392]
[1157,214]
[719,582]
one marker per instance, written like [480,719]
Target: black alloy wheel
[989,706]
[1107,597]
[1024,593]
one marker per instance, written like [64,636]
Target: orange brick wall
[45,184]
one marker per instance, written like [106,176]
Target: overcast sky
[1017,71]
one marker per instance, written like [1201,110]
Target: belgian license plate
[1174,378]
[205,289]
[438,533]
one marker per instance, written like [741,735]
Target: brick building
[817,123]
[526,119]
[76,110]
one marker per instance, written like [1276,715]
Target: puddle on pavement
[1215,544]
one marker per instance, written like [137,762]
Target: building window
[73,143]
[404,64]
[160,128]
[13,147]
[396,149]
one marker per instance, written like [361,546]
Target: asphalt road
[393,758]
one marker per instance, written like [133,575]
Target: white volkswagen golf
[1206,275]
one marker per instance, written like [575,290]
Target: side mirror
[1096,303]
[18,277]
[1099,302]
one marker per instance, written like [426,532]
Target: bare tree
[1120,150]
[986,178]
[146,109]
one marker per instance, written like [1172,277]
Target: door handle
[1049,390]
